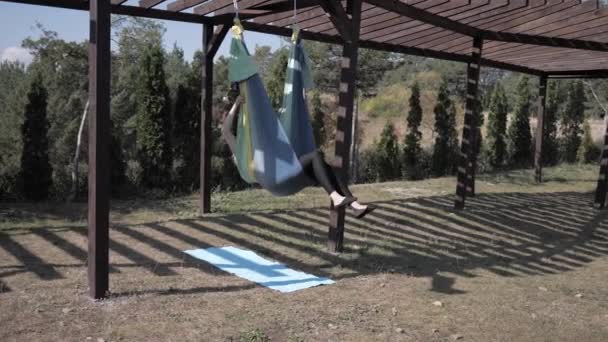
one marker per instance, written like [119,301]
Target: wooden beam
[134,11]
[465,160]
[218,37]
[346,97]
[206,116]
[99,148]
[540,129]
[226,14]
[325,38]
[337,15]
[601,188]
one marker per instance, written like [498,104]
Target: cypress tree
[478,121]
[117,161]
[153,120]
[497,126]
[550,152]
[588,151]
[571,120]
[185,137]
[446,141]
[520,137]
[318,118]
[36,171]
[412,150]
[276,83]
[387,154]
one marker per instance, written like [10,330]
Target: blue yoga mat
[246,264]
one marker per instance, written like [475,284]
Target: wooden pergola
[547,39]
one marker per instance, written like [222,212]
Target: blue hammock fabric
[294,114]
[267,153]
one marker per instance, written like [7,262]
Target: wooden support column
[206,116]
[600,190]
[348,75]
[211,43]
[540,129]
[465,160]
[99,148]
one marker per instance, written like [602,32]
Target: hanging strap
[295,28]
[235,3]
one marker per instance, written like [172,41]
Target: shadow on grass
[511,234]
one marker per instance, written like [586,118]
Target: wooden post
[206,116]
[99,148]
[600,191]
[540,129]
[465,160]
[348,73]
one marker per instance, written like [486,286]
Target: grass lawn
[523,262]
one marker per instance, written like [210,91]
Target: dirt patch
[519,266]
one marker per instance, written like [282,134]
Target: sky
[18,21]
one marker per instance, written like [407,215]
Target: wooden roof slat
[552,18]
[182,5]
[495,12]
[418,32]
[601,32]
[589,30]
[149,3]
[408,30]
[533,36]
[508,18]
[323,25]
[391,28]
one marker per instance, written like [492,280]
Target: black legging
[317,168]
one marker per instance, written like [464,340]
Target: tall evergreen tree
[412,150]
[185,137]
[36,171]
[520,137]
[386,158]
[118,175]
[550,150]
[478,120]
[275,85]
[588,151]
[446,141]
[497,126]
[572,118]
[318,118]
[153,120]
[176,69]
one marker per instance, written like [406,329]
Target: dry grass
[509,268]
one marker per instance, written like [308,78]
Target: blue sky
[18,21]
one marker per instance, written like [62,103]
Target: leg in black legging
[316,167]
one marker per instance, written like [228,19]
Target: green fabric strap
[241,65]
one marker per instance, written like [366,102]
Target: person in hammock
[313,164]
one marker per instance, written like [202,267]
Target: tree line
[155,116]
[508,141]
[155,112]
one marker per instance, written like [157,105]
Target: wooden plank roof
[560,37]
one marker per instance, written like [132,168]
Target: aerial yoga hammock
[278,152]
